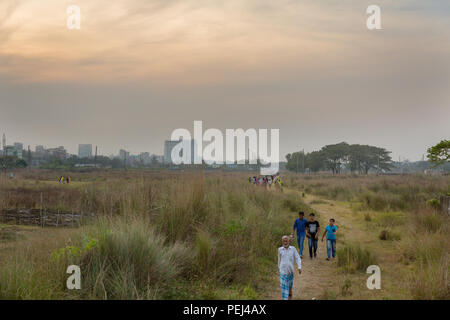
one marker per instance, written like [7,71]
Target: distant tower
[4,142]
[29,157]
[95,158]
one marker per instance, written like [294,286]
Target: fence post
[40,213]
[445,204]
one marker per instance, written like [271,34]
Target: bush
[434,203]
[430,281]
[423,249]
[352,258]
[130,261]
[328,294]
[374,201]
[390,219]
[429,222]
[389,235]
[346,289]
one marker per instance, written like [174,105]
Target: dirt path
[318,275]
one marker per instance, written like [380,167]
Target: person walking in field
[312,232]
[287,255]
[300,226]
[331,231]
[280,184]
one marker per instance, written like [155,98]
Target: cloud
[310,68]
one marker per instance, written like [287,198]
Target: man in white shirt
[287,255]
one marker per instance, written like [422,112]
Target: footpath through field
[318,274]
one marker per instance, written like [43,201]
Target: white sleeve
[298,259]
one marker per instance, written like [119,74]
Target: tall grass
[431,281]
[130,261]
[352,257]
[377,193]
[185,236]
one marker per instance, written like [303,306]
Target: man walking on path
[299,225]
[287,255]
[312,232]
[331,231]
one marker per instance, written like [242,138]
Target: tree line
[334,157]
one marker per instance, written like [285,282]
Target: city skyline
[141,152]
[136,71]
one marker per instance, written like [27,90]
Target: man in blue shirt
[330,231]
[299,225]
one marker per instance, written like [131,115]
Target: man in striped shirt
[287,255]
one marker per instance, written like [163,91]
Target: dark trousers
[312,243]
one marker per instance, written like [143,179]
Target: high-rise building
[10,151]
[59,153]
[18,146]
[144,158]
[40,149]
[168,147]
[124,155]
[85,150]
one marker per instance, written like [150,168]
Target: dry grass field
[187,235]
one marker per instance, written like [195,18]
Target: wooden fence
[44,217]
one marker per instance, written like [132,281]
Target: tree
[154,162]
[116,163]
[362,158]
[315,161]
[335,155]
[439,154]
[356,157]
[295,161]
[10,162]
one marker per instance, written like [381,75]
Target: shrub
[387,234]
[328,294]
[130,261]
[423,249]
[352,258]
[430,281]
[390,219]
[374,201]
[204,251]
[429,222]
[434,203]
[346,289]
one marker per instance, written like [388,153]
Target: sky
[137,70]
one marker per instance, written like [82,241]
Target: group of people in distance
[288,255]
[266,180]
[63,180]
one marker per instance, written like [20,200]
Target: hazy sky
[137,70]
